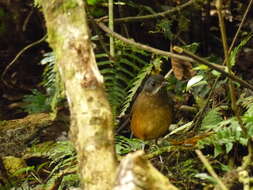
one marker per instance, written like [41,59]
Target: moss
[37,3]
[3,123]
[53,8]
[64,6]
[52,36]
[70,4]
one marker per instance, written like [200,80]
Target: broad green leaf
[229,147]
[217,149]
[194,81]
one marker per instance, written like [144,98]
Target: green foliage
[62,162]
[61,151]
[95,8]
[36,102]
[227,132]
[94,2]
[212,119]
[71,180]
[56,152]
[247,102]
[125,145]
[97,12]
[49,71]
[24,170]
[52,81]
[133,87]
[183,24]
[37,3]
[187,168]
[122,77]
[171,27]
[236,50]
[193,47]
[164,26]
[195,81]
[63,157]
[119,74]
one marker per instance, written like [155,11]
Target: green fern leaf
[134,87]
[211,120]
[235,51]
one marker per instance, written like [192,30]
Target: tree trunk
[91,119]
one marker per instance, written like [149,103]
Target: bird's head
[153,84]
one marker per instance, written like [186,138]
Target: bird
[152,110]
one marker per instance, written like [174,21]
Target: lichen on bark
[91,118]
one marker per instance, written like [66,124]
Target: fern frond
[135,84]
[211,120]
[235,51]
[52,82]
[227,132]
[49,71]
[119,74]
[125,145]
[36,102]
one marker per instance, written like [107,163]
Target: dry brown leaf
[181,69]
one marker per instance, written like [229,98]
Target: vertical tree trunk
[91,118]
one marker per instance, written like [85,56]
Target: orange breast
[151,117]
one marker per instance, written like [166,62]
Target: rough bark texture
[91,118]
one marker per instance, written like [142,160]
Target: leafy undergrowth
[219,135]
[53,164]
[224,139]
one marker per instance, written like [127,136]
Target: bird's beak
[163,84]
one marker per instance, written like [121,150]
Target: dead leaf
[182,70]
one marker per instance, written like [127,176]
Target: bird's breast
[151,117]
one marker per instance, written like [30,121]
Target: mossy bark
[91,119]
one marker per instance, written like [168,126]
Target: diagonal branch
[191,57]
[213,66]
[141,46]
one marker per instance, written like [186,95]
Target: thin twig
[111,26]
[168,74]
[227,63]
[222,29]
[210,169]
[19,54]
[152,16]
[100,38]
[198,118]
[240,26]
[27,19]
